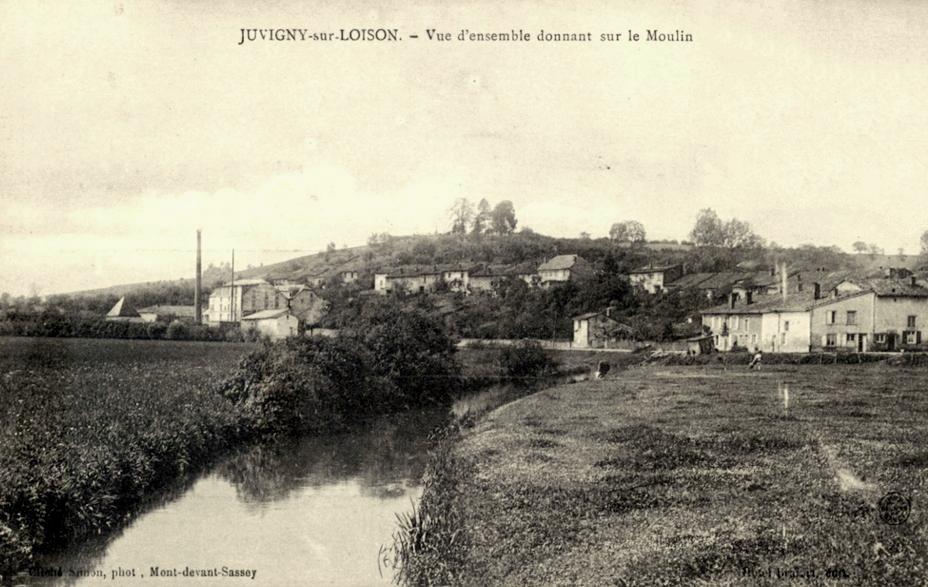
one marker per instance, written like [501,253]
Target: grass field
[88,426]
[698,475]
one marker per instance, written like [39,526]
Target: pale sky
[124,126]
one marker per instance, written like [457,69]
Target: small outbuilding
[276,324]
[700,345]
[599,330]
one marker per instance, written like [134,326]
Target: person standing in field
[755,362]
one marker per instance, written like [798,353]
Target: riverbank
[91,429]
[680,475]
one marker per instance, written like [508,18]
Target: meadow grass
[89,427]
[694,475]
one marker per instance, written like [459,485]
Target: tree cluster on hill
[500,219]
[711,231]
[628,230]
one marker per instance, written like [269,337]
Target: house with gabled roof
[599,330]
[563,268]
[232,301]
[276,324]
[654,278]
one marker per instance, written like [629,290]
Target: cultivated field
[699,475]
[87,427]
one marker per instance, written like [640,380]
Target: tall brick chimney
[784,282]
[197,307]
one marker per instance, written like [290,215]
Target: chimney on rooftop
[749,297]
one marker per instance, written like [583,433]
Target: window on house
[851,338]
[910,322]
[851,317]
[746,324]
[880,338]
[912,338]
[783,338]
[831,317]
[831,339]
[786,326]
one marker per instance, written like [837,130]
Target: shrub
[233,334]
[526,361]
[411,350]
[400,359]
[157,330]
[177,330]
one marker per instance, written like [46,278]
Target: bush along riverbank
[398,360]
[91,428]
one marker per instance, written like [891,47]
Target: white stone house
[276,324]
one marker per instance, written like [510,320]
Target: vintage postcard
[463,293]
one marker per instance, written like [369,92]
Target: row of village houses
[856,314]
[279,309]
[772,310]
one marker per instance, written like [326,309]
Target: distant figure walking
[603,369]
[755,362]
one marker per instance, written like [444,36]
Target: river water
[308,511]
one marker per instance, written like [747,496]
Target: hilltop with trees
[487,234]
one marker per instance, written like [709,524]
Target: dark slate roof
[415,270]
[721,280]
[589,315]
[245,282]
[691,280]
[891,287]
[653,269]
[186,311]
[559,262]
[122,309]
[265,314]
[797,302]
[493,271]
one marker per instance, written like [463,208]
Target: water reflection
[389,452]
[312,510]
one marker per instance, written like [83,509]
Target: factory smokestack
[784,281]
[197,304]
